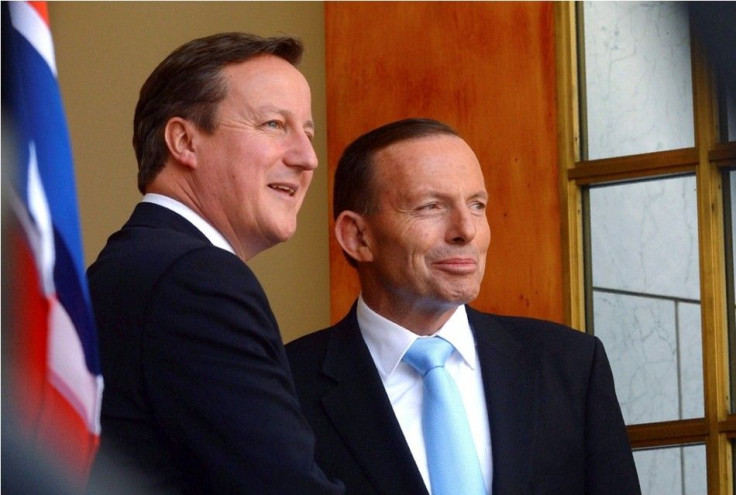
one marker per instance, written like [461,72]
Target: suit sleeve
[610,467]
[218,381]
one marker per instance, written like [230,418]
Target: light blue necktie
[453,463]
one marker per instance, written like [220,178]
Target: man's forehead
[433,149]
[266,72]
[268,90]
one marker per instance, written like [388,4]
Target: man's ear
[351,234]
[179,135]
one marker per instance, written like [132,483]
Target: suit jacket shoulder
[199,397]
[554,415]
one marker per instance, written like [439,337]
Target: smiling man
[511,405]
[199,397]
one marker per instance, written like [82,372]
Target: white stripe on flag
[33,28]
[69,374]
[38,206]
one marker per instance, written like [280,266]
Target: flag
[49,338]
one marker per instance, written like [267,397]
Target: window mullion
[712,281]
[568,139]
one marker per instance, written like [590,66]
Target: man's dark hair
[189,84]
[353,188]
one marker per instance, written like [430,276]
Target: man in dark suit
[539,399]
[199,397]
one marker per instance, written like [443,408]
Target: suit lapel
[508,382]
[362,414]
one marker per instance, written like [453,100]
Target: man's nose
[462,228]
[301,152]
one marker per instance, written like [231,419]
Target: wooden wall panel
[488,70]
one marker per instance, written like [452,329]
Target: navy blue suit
[198,393]
[556,425]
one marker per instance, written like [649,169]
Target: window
[647,140]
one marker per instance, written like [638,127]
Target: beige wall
[104,52]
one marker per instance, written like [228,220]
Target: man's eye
[430,206]
[478,205]
[275,124]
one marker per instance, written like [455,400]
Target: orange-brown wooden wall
[487,69]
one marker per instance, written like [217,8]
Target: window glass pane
[731,211]
[724,61]
[713,26]
[638,83]
[673,470]
[733,459]
[730,113]
[645,295]
[726,111]
[729,203]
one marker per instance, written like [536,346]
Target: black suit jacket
[556,426]
[198,393]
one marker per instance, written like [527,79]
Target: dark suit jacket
[556,426]
[198,393]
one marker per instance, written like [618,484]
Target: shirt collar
[388,342]
[212,234]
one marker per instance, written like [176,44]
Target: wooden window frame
[706,160]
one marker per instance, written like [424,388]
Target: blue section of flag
[33,107]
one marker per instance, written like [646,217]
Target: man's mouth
[285,188]
[457,265]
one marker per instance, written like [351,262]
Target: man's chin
[284,233]
[463,296]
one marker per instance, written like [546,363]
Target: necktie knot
[429,353]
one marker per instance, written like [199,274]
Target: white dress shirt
[200,223]
[387,343]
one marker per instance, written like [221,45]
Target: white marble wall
[644,245]
[638,77]
[644,237]
[672,471]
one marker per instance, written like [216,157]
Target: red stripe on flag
[62,432]
[42,10]
[27,342]
[45,418]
